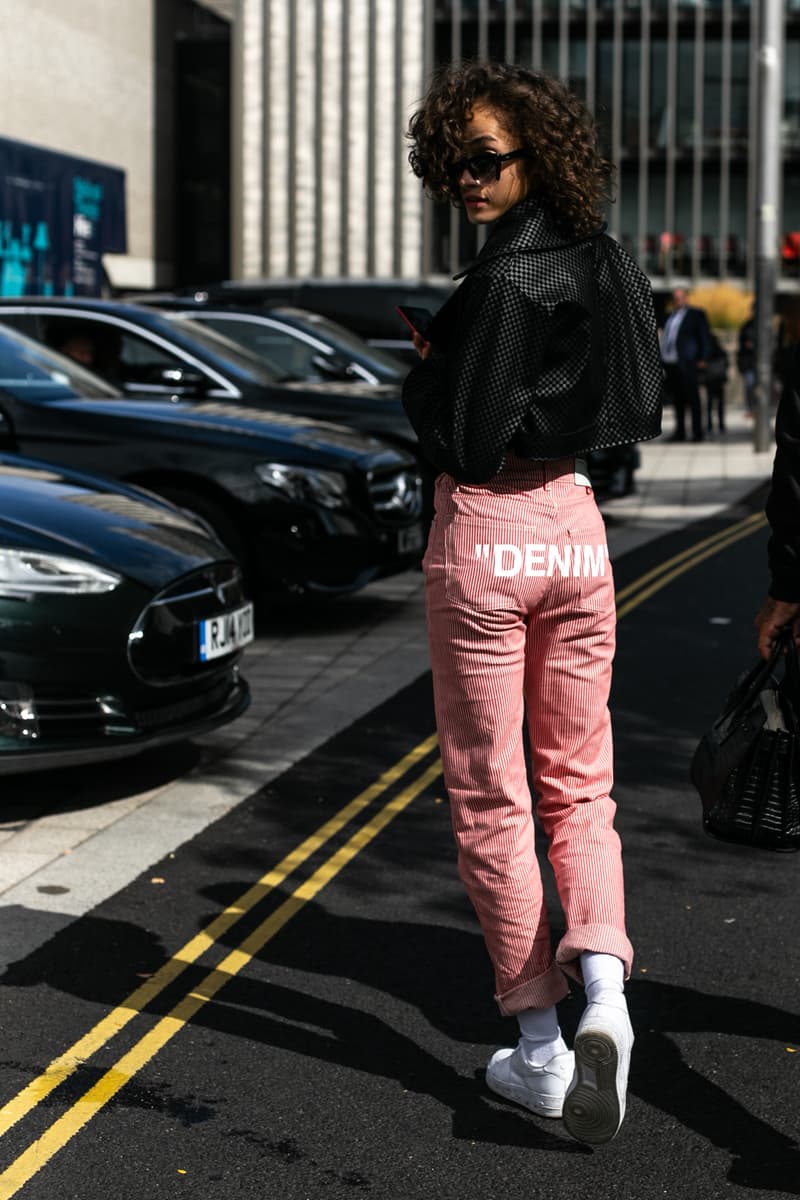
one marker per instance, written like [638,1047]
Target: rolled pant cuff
[604,939]
[541,992]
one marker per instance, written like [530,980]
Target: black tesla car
[122,621]
[306,507]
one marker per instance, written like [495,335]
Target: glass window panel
[685,132]
[631,65]
[605,89]
[736,242]
[654,226]
[577,66]
[659,116]
[740,95]
[627,205]
[550,55]
[790,128]
[712,95]
[791,201]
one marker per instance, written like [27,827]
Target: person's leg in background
[719,389]
[677,393]
[695,404]
[709,408]
[749,381]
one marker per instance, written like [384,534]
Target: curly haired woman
[547,350]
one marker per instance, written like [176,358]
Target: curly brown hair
[568,172]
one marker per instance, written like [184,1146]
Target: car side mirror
[180,381]
[332,366]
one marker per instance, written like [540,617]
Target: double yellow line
[659,577]
[56,1136]
[39,1152]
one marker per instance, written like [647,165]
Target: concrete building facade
[97,80]
[323,90]
[266,137]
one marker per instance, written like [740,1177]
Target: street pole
[768,166]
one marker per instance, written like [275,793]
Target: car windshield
[26,364]
[344,339]
[257,369]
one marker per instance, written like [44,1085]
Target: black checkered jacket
[548,348]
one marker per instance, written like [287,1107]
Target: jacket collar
[527,228]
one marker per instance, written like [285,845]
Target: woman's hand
[422,347]
[774,614]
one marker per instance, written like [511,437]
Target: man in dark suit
[685,348]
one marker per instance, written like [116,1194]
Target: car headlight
[29,572]
[327,488]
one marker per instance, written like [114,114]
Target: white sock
[541,1035]
[603,976]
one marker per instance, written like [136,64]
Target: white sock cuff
[602,972]
[539,1024]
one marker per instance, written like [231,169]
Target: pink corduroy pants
[521,623]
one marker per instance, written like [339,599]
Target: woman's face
[488,199]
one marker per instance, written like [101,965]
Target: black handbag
[747,766]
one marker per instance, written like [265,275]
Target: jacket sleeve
[706,339]
[783,502]
[467,403]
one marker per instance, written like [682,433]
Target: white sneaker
[541,1089]
[595,1100]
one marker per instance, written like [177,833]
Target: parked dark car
[300,343]
[367,306]
[155,354]
[305,506]
[150,353]
[122,620]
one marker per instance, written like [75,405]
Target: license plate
[226,633]
[409,539]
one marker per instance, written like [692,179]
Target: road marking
[39,1153]
[97,1037]
[755,520]
[658,577]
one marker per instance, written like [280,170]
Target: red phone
[418,320]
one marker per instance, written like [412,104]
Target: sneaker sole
[520,1095]
[592,1111]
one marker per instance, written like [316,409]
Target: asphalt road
[296,1005]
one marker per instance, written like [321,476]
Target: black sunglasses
[483,167]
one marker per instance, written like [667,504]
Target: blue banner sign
[58,216]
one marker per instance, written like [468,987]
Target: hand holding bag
[747,766]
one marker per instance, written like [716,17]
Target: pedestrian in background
[547,350]
[782,605]
[714,376]
[685,348]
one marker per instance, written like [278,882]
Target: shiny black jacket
[548,348]
[783,502]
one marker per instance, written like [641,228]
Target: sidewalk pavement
[311,676]
[681,482]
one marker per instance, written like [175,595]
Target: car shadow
[43,793]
